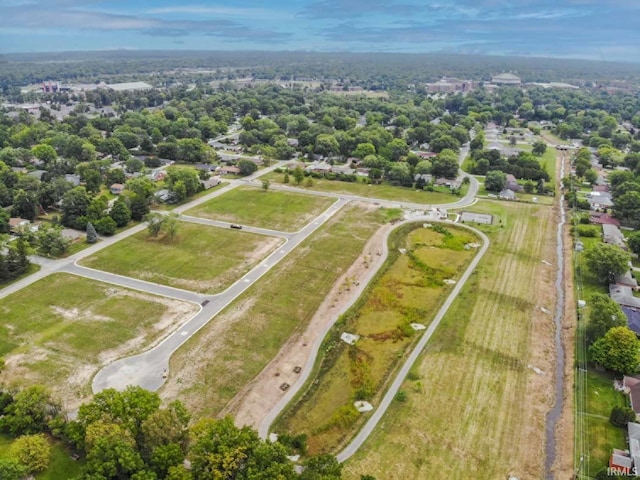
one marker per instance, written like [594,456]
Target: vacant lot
[284,211]
[474,405]
[384,192]
[59,330]
[410,288]
[202,259]
[213,366]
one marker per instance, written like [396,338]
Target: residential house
[507,194]
[613,236]
[292,142]
[164,195]
[425,177]
[116,188]
[601,218]
[228,170]
[627,280]
[72,179]
[623,295]
[445,182]
[512,184]
[205,167]
[631,386]
[633,318]
[319,167]
[599,200]
[210,183]
[620,462]
[344,169]
[16,224]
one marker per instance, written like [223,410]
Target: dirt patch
[260,396]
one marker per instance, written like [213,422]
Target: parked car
[235,225]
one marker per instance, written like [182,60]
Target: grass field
[284,211]
[232,349]
[409,289]
[201,258]
[383,191]
[61,466]
[474,409]
[59,330]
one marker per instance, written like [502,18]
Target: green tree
[247,167]
[322,467]
[326,144]
[154,223]
[106,226]
[75,203]
[400,174]
[621,416]
[633,241]
[92,235]
[285,180]
[189,178]
[139,207]
[50,240]
[539,148]
[32,451]
[495,181]
[46,153]
[171,224]
[618,351]
[30,412]
[604,315]
[605,261]
[25,205]
[120,212]
[266,184]
[364,149]
[11,469]
[298,175]
[627,208]
[445,164]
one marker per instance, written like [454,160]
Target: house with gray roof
[612,235]
[623,295]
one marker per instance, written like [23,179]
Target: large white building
[506,79]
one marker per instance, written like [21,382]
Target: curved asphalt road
[364,433]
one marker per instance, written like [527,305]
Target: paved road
[146,370]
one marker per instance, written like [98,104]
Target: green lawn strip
[466,394]
[236,345]
[408,289]
[61,466]
[521,196]
[201,258]
[64,324]
[383,191]
[278,210]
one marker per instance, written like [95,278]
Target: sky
[587,29]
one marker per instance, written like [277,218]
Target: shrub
[620,416]
[401,396]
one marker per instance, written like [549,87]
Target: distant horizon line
[319,52]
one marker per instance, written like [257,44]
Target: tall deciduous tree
[618,351]
[604,315]
[32,451]
[606,261]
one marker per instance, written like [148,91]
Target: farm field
[410,288]
[277,210]
[473,402]
[383,192]
[201,258]
[232,349]
[58,331]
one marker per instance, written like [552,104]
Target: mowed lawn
[201,258]
[277,210]
[59,330]
[383,191]
[409,289]
[214,365]
[474,407]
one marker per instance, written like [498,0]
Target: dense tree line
[129,434]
